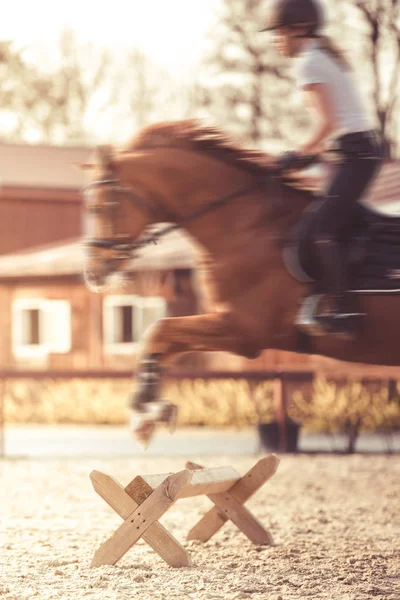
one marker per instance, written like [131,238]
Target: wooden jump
[147,498]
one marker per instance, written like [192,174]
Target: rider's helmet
[306,14]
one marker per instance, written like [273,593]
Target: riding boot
[339,319]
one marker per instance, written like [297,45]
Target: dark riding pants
[360,160]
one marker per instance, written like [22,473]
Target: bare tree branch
[382,18]
[249,78]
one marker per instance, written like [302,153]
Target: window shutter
[152,309]
[18,327]
[126,318]
[56,326]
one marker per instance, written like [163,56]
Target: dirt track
[335,521]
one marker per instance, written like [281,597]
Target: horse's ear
[104,154]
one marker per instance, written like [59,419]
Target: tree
[72,92]
[139,84]
[381,49]
[53,102]
[347,407]
[148,92]
[247,86]
[84,94]
[15,74]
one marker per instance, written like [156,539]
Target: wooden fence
[284,382]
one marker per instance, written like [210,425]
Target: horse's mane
[192,134]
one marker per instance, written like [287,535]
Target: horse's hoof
[143,431]
[143,423]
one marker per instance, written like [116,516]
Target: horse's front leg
[147,407]
[164,341]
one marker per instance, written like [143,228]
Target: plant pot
[270,436]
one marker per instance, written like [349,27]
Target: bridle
[121,245]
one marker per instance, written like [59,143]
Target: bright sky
[172,32]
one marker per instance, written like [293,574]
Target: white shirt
[315,65]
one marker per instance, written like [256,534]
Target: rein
[127,250]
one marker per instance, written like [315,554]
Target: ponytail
[326,44]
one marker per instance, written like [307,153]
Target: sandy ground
[335,521]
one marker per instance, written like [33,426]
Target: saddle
[373,253]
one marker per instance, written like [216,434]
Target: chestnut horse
[239,214]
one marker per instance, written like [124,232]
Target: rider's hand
[291,161]
[288,161]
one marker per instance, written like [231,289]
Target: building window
[41,327]
[126,318]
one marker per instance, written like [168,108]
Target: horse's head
[115,215]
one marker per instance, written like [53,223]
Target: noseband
[122,249]
[127,249]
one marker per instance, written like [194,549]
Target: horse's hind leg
[164,341]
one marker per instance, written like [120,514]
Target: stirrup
[341,325]
[306,319]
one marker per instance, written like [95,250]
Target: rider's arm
[318,98]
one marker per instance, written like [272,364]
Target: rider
[324,74]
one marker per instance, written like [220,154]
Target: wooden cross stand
[145,499]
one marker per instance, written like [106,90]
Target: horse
[240,214]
